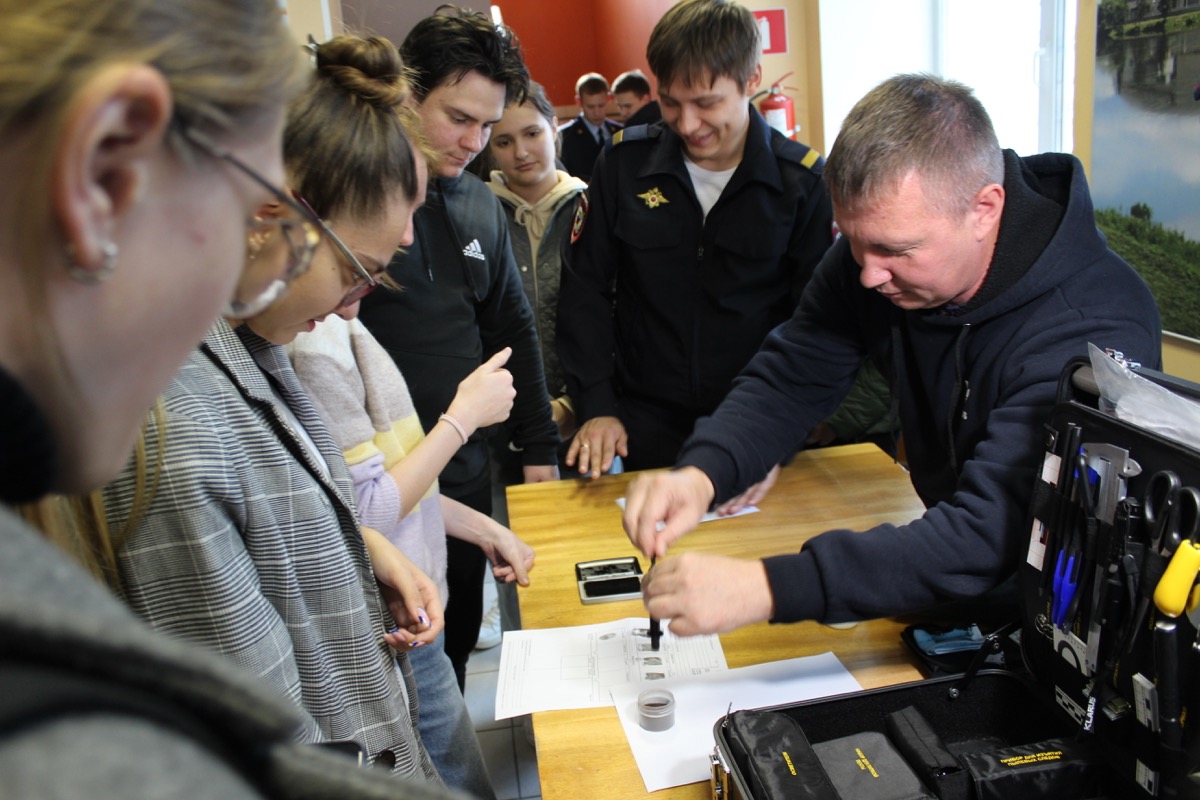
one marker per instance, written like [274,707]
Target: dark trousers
[656,431]
[465,567]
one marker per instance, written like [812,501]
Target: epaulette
[637,133]
[798,153]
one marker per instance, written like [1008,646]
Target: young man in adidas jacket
[462,299]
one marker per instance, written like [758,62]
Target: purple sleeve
[376,494]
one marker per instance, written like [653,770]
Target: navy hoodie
[973,387]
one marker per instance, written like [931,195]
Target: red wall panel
[563,40]
[622,29]
[558,39]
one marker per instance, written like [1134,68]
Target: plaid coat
[249,546]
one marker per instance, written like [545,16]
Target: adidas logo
[473,250]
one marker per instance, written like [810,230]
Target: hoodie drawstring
[894,401]
[962,392]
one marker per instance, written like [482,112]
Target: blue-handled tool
[1084,495]
[1065,584]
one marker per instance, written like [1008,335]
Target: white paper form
[709,516]
[680,755]
[557,668]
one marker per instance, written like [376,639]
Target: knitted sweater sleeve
[325,360]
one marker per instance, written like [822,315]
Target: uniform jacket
[250,548]
[580,148]
[461,302]
[973,387]
[646,115]
[657,300]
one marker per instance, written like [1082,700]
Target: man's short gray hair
[934,127]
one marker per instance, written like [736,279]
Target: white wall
[994,46]
[866,41]
[320,18]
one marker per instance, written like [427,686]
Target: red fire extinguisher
[779,110]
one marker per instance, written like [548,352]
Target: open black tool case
[1101,709]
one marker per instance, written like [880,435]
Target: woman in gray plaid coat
[245,537]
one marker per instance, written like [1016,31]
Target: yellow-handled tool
[1174,590]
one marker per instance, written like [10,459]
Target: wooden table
[583,753]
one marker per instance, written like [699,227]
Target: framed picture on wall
[1145,165]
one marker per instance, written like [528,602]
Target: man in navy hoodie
[970,277]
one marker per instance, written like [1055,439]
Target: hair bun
[369,68]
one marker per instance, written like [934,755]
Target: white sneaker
[490,631]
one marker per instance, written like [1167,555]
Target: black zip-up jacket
[659,301]
[462,302]
[974,386]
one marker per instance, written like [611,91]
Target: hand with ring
[596,444]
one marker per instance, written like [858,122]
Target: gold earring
[92,275]
[254,245]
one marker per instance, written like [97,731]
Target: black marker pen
[655,628]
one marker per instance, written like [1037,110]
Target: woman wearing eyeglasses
[239,525]
[123,229]
[394,465]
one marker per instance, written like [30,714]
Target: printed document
[558,668]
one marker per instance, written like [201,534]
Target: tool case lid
[1109,714]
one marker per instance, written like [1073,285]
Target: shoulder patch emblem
[810,158]
[618,136]
[580,217]
[654,198]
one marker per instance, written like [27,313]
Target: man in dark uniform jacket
[648,114]
[701,234]
[635,104]
[585,136]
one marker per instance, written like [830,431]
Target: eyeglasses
[301,231]
[364,281]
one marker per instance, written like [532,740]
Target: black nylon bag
[775,757]
[1053,768]
[928,755]
[867,766]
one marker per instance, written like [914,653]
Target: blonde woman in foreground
[123,231]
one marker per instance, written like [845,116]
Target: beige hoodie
[534,218]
